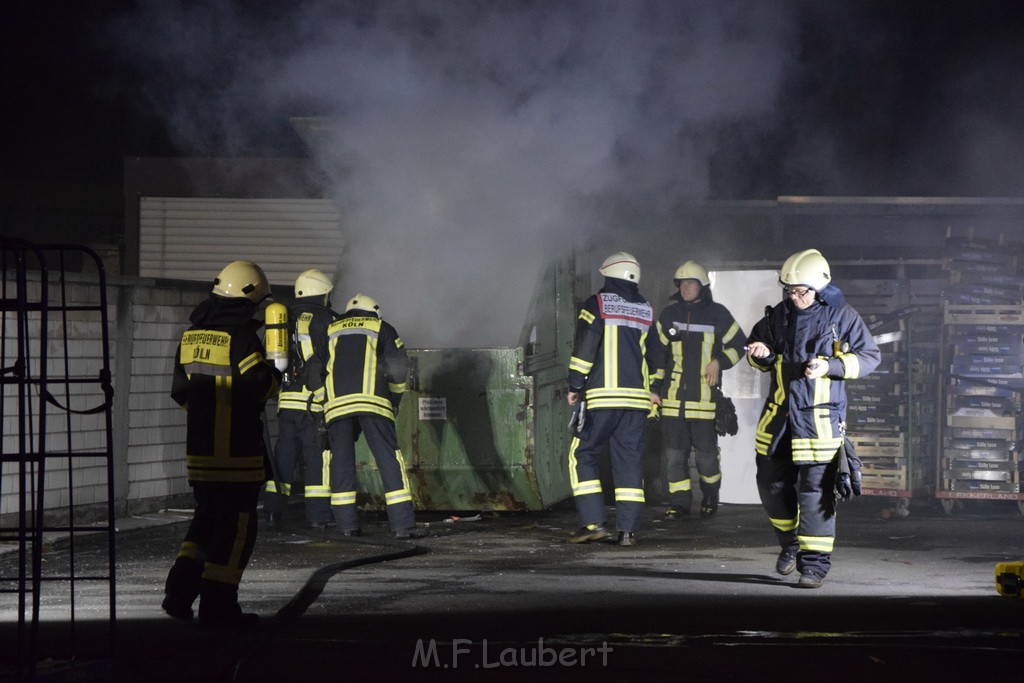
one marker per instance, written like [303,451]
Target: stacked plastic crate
[887,419]
[984,347]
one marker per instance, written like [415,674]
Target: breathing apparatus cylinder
[276,339]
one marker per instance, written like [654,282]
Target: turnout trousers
[299,436]
[800,502]
[679,438]
[624,431]
[217,547]
[382,440]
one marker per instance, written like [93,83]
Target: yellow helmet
[312,282]
[691,270]
[621,265]
[361,302]
[242,279]
[808,268]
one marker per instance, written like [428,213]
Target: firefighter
[366,378]
[300,410]
[223,381]
[698,339]
[609,391]
[811,343]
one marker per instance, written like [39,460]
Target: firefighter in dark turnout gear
[610,382]
[300,409]
[811,343]
[365,381]
[223,381]
[698,339]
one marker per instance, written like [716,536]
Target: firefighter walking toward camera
[812,343]
[300,409]
[366,378]
[698,339]
[223,380]
[609,390]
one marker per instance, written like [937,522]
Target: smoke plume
[471,142]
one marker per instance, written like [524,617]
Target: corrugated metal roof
[193,238]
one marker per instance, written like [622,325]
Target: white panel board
[745,294]
[193,238]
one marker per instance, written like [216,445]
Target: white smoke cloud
[474,141]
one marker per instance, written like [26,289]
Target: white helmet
[361,302]
[691,270]
[808,268]
[312,282]
[242,279]
[621,265]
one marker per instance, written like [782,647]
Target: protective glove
[574,418]
[844,486]
[855,478]
[848,474]
[319,421]
[726,421]
[320,428]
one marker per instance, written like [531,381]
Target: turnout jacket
[810,410]
[611,353]
[223,380]
[304,384]
[691,335]
[367,369]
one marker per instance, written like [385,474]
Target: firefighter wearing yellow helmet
[609,391]
[365,381]
[812,343]
[223,380]
[698,339]
[300,410]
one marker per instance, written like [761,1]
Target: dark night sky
[869,98]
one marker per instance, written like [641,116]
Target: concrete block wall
[155,445]
[145,321]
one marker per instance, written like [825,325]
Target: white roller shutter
[193,238]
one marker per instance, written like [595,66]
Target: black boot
[182,588]
[219,608]
[787,560]
[709,505]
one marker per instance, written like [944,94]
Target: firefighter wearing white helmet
[300,410]
[811,343]
[361,302]
[242,279]
[623,266]
[691,270]
[365,381]
[698,339]
[609,391]
[808,268]
[313,282]
[223,380]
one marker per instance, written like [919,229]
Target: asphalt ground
[505,597]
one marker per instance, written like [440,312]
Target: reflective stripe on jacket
[609,356]
[367,368]
[305,388]
[810,409]
[691,335]
[223,380]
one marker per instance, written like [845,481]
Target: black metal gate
[56,458]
